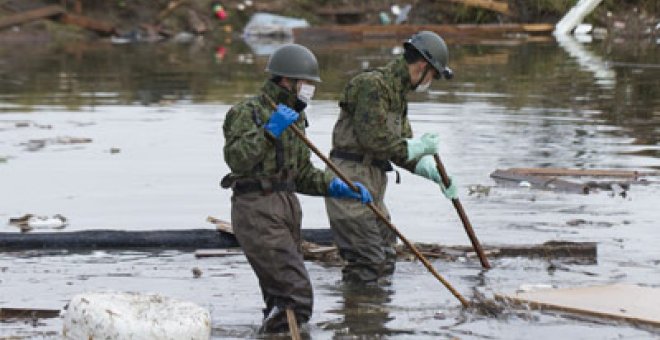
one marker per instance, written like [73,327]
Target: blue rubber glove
[339,189]
[427,168]
[425,145]
[281,118]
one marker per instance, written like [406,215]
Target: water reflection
[364,312]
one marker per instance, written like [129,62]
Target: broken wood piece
[101,27]
[495,6]
[538,182]
[623,302]
[28,313]
[202,253]
[579,252]
[31,15]
[221,225]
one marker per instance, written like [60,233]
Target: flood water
[154,112]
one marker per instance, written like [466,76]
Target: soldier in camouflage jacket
[373,130]
[268,165]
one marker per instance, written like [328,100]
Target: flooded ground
[153,114]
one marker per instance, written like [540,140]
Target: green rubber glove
[425,145]
[426,168]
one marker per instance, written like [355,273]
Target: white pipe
[575,16]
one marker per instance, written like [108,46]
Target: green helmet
[433,49]
[294,61]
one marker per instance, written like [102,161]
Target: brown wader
[267,226]
[365,243]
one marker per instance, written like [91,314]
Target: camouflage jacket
[373,118]
[250,151]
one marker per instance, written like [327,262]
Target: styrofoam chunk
[115,315]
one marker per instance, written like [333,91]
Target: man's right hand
[281,118]
[425,145]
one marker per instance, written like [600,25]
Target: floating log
[361,32]
[623,302]
[581,172]
[118,239]
[31,15]
[496,6]
[579,252]
[539,182]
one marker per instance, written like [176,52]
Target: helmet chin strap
[426,70]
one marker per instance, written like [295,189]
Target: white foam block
[115,315]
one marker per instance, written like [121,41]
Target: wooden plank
[31,15]
[202,253]
[98,26]
[221,225]
[580,172]
[28,313]
[361,32]
[539,182]
[578,252]
[495,6]
[624,302]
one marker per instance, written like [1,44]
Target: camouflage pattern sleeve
[378,130]
[401,160]
[245,143]
[312,181]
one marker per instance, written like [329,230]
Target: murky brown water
[512,104]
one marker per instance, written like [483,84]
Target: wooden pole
[461,213]
[380,215]
[375,210]
[293,324]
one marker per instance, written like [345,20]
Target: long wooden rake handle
[380,215]
[461,213]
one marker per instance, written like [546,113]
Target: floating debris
[479,190]
[29,222]
[197,273]
[116,315]
[38,144]
[548,178]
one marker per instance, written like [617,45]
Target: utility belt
[382,164]
[266,186]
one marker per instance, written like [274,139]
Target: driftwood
[579,252]
[496,6]
[57,12]
[31,15]
[99,26]
[575,252]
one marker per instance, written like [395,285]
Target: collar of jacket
[280,95]
[399,69]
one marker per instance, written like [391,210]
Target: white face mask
[423,87]
[306,92]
